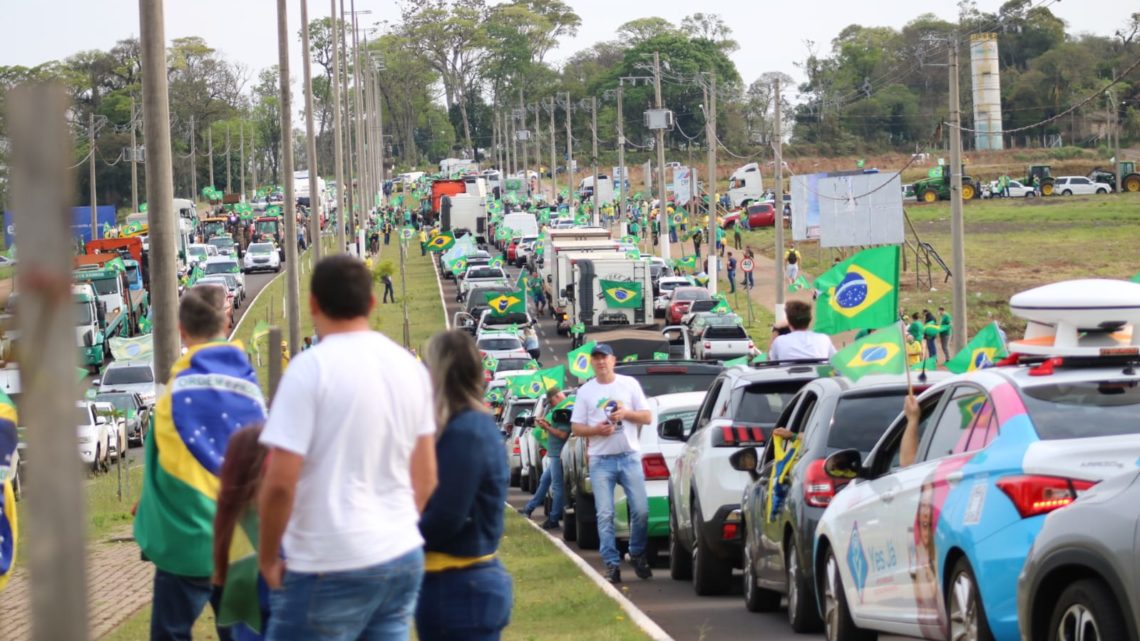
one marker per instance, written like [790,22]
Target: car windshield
[500,344]
[128,375]
[668,286]
[691,294]
[83,313]
[859,421]
[1083,409]
[511,364]
[222,267]
[222,243]
[132,273]
[106,286]
[197,251]
[122,402]
[762,403]
[261,248]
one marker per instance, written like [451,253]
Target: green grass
[425,309]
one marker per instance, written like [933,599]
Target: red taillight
[708,345]
[729,531]
[738,436]
[653,465]
[516,446]
[1033,495]
[819,488]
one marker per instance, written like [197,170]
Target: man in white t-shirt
[609,411]
[800,343]
[351,438]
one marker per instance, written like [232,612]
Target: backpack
[793,257]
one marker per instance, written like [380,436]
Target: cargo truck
[588,302]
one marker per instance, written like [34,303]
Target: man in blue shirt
[557,434]
[731,273]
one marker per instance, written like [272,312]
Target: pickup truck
[721,342]
[123,307]
[480,275]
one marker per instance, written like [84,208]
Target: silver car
[1081,581]
[136,377]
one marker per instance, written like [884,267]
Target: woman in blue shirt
[466,592]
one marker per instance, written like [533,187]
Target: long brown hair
[456,375]
[240,479]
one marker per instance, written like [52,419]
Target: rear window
[485,273]
[725,333]
[511,364]
[675,383]
[128,376]
[691,294]
[1084,409]
[762,403]
[500,344]
[859,421]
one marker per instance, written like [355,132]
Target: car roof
[220,259]
[117,364]
[767,372]
[669,402]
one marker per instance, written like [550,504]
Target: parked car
[94,437]
[1079,186]
[135,413]
[501,344]
[1082,582]
[721,337]
[1016,190]
[514,409]
[261,257]
[136,377]
[664,288]
[761,215]
[740,411]
[680,301]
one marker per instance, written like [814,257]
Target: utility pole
[778,146]
[512,151]
[710,189]
[957,225]
[241,159]
[229,183]
[553,157]
[538,146]
[292,269]
[522,143]
[193,164]
[310,136]
[338,147]
[210,153]
[662,216]
[134,159]
[569,148]
[381,148]
[621,147]
[1114,130]
[91,176]
[358,123]
[594,156]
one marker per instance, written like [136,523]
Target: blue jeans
[178,600]
[748,282]
[551,479]
[372,604]
[473,604]
[625,470]
[731,281]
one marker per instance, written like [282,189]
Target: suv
[656,378]
[740,410]
[516,408]
[1079,185]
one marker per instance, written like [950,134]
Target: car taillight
[653,465]
[1033,495]
[516,446]
[708,345]
[738,436]
[541,452]
[730,529]
[819,488]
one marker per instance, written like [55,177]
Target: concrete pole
[512,150]
[594,158]
[538,145]
[778,147]
[553,156]
[210,153]
[42,192]
[229,147]
[338,135]
[241,159]
[710,189]
[292,268]
[569,148]
[381,148]
[522,143]
[91,176]
[621,147]
[662,217]
[315,203]
[358,122]
[134,159]
[957,224]
[193,164]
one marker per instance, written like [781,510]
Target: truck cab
[107,275]
[89,320]
[601,288]
[745,185]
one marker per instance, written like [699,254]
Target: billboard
[682,186]
[80,222]
[848,209]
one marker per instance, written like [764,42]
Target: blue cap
[602,348]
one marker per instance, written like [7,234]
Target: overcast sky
[771,33]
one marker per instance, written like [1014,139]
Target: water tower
[987,91]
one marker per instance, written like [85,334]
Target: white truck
[587,298]
[452,166]
[556,269]
[464,211]
[745,185]
[559,247]
[301,186]
[605,189]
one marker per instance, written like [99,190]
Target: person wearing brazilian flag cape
[212,392]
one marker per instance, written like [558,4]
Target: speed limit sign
[747,265]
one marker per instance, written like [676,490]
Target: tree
[405,81]
[710,26]
[267,122]
[642,29]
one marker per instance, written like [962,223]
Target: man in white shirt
[351,438]
[800,343]
[609,411]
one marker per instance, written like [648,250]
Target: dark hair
[200,311]
[239,481]
[342,287]
[798,313]
[914,316]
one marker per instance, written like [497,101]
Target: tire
[929,196]
[680,562]
[964,609]
[1101,191]
[1067,192]
[1047,189]
[803,611]
[838,625]
[1131,183]
[1087,606]
[969,191]
[569,522]
[1030,194]
[532,479]
[756,599]
[516,478]
[711,575]
[587,522]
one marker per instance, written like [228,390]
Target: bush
[385,268]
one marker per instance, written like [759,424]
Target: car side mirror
[844,465]
[745,460]
[672,430]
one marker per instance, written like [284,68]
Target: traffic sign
[746,265]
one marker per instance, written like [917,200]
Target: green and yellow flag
[861,292]
[508,303]
[878,353]
[579,361]
[660,356]
[441,242]
[537,384]
[688,262]
[622,294]
[9,525]
[983,351]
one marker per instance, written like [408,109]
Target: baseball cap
[602,348]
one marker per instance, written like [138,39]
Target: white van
[605,189]
[521,224]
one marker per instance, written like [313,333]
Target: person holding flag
[551,480]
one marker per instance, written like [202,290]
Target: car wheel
[1087,611]
[532,479]
[803,613]
[569,522]
[838,625]
[711,575]
[1067,192]
[516,478]
[680,563]
[1030,194]
[587,521]
[930,196]
[964,609]
[1102,191]
[756,599]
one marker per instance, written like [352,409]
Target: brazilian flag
[9,524]
[721,306]
[861,292]
[688,262]
[441,242]
[880,352]
[490,363]
[579,361]
[660,356]
[537,384]
[622,294]
[508,303]
[493,397]
[458,266]
[983,351]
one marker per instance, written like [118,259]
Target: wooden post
[275,354]
[42,192]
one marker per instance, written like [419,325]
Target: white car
[514,409]
[501,344]
[227,265]
[1079,186]
[201,252]
[261,257]
[230,285]
[117,443]
[481,274]
[1016,190]
[136,377]
[666,286]
[94,436]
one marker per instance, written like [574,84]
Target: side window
[707,408]
[803,416]
[952,434]
[887,459]
[787,418]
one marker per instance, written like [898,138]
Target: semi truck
[89,327]
[588,302]
[745,185]
[464,213]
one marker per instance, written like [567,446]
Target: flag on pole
[622,294]
[688,262]
[861,292]
[983,351]
[441,242]
[878,353]
[508,303]
[579,361]
[799,284]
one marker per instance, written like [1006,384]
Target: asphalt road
[671,604]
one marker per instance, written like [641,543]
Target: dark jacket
[465,514]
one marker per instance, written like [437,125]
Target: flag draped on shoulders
[861,292]
[213,392]
[9,522]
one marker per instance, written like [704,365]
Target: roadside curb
[439,284]
[639,618]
